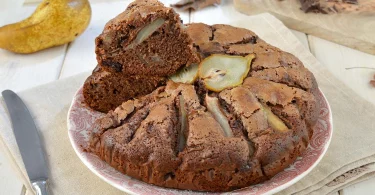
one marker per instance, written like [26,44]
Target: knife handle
[40,187]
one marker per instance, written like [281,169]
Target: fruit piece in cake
[146,32]
[214,108]
[219,71]
[274,121]
[183,124]
[146,39]
[186,75]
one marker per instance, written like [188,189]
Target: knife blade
[28,141]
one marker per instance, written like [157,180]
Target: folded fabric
[349,159]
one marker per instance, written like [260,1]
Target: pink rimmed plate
[81,119]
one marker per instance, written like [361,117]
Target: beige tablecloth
[349,159]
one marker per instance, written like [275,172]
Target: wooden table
[19,72]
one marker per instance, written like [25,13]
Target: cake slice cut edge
[146,39]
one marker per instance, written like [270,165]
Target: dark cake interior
[146,39]
[104,91]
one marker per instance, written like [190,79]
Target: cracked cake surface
[187,136]
[171,138]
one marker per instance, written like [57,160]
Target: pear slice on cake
[219,71]
[214,108]
[274,121]
[186,74]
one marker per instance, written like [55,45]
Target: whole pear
[53,23]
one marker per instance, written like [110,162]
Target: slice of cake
[146,39]
[104,91]
[136,52]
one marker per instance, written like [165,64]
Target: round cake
[241,115]
[187,136]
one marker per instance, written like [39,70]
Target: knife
[28,142]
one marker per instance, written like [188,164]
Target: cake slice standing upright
[146,39]
[136,52]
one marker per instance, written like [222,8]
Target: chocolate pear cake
[244,114]
[241,115]
[146,39]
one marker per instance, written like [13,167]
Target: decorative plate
[81,118]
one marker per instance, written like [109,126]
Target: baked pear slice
[186,74]
[146,32]
[274,121]
[183,124]
[214,108]
[219,71]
